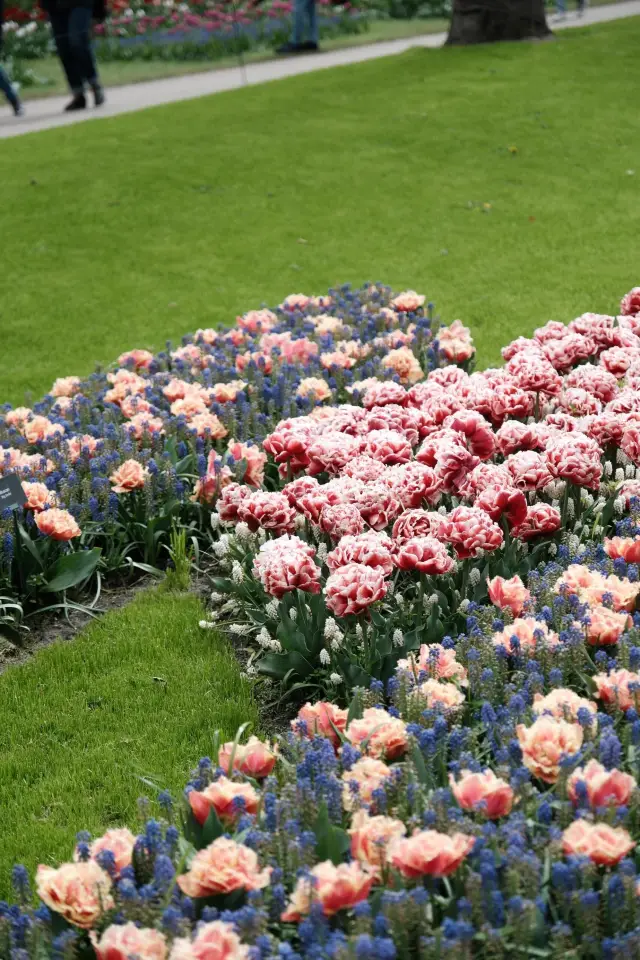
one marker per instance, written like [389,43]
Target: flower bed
[110,463]
[478,797]
[181,31]
[394,511]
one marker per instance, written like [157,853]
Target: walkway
[46,113]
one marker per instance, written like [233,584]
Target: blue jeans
[304,15]
[7,88]
[72,34]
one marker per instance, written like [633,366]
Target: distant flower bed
[180,31]
[112,464]
[455,555]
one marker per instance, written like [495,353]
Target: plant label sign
[11,493]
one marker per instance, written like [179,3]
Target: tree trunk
[487,21]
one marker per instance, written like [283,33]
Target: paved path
[45,113]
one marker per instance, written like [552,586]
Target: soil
[275,710]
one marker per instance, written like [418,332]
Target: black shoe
[79,102]
[98,95]
[310,47]
[291,48]
[18,109]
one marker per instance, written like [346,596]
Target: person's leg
[295,45]
[80,20]
[304,19]
[299,17]
[6,87]
[313,22]
[60,27]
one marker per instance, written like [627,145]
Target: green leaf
[339,734]
[588,682]
[221,585]
[382,645]
[240,469]
[202,835]
[30,545]
[443,602]
[278,665]
[355,708]
[377,619]
[387,667]
[607,512]
[317,606]
[59,924]
[291,640]
[289,634]
[435,629]
[211,829]
[185,465]
[273,665]
[221,901]
[419,764]
[332,842]
[72,569]
[170,448]
[241,729]
[186,850]
[356,676]
[147,568]
[412,640]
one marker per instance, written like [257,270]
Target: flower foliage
[470,787]
[112,463]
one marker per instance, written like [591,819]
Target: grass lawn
[114,72]
[127,231]
[139,693]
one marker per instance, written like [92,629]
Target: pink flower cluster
[287,564]
[419,474]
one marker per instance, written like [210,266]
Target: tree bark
[488,21]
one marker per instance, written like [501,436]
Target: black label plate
[11,493]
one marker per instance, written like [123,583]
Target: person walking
[71,22]
[5,84]
[561,8]
[305,23]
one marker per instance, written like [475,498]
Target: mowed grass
[138,694]
[131,230]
